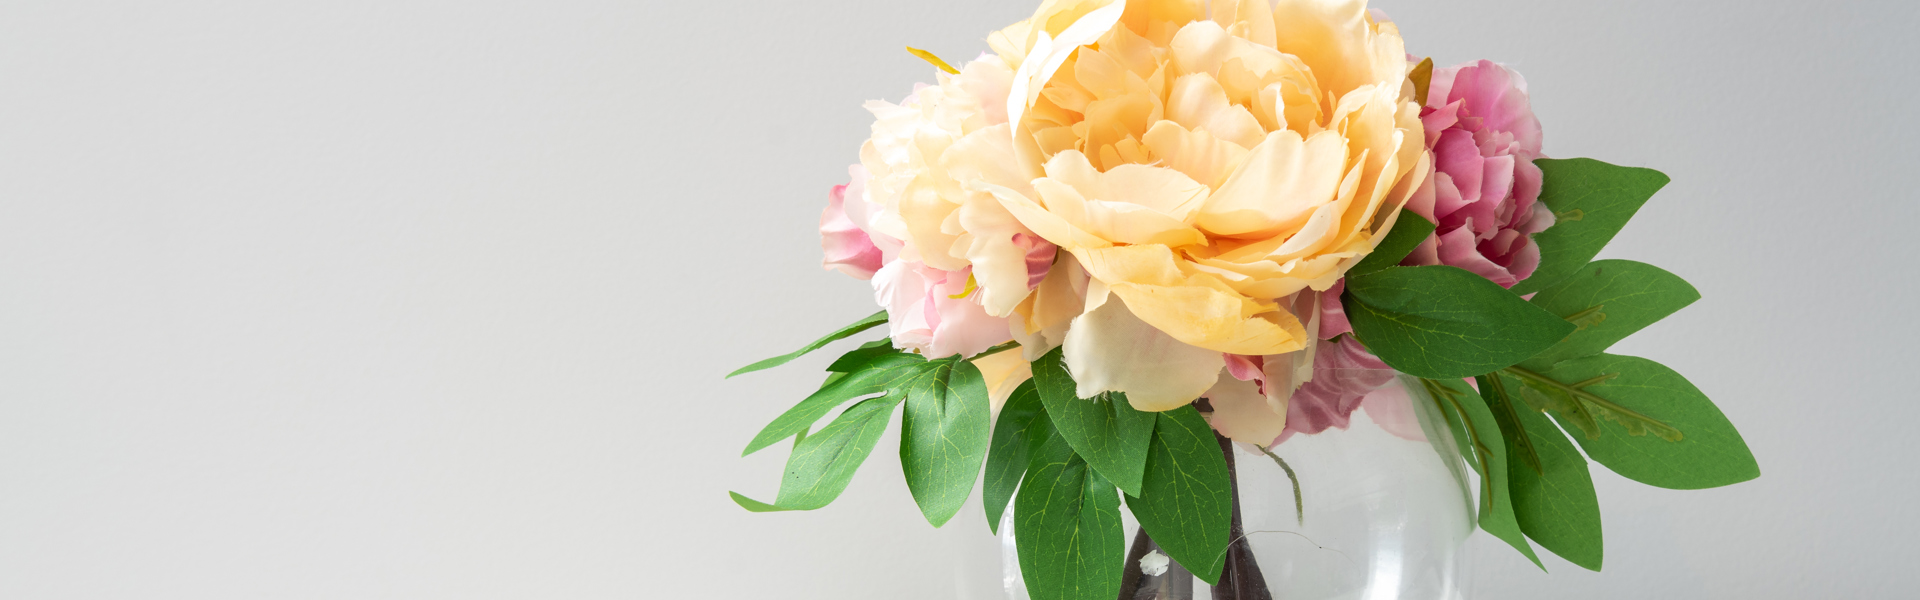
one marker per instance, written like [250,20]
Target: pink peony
[1343,374]
[1484,191]
[846,244]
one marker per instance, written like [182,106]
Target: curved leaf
[1007,459]
[1480,440]
[824,462]
[872,321]
[943,437]
[1591,201]
[1712,453]
[867,372]
[1067,528]
[1186,500]
[1607,300]
[1554,501]
[1443,322]
[1105,430]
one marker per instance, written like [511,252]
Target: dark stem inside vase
[1240,578]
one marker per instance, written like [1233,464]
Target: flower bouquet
[1139,232]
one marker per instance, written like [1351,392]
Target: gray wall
[433,299]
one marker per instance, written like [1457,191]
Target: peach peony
[1203,165]
[1210,170]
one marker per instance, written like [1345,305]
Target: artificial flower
[1484,193]
[847,247]
[1202,165]
[924,156]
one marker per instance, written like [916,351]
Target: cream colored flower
[925,157]
[1202,162]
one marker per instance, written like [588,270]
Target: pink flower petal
[1458,157]
[1458,248]
[1446,198]
[1491,93]
[1437,120]
[1525,260]
[845,246]
[1243,367]
[1333,315]
[1343,374]
[1040,254]
[1392,409]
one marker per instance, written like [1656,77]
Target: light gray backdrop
[418,299]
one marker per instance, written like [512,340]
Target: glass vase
[1384,509]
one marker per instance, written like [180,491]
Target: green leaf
[1555,502]
[1407,233]
[1712,453]
[944,435]
[754,505]
[1105,429]
[1478,434]
[1186,501]
[867,372]
[1443,322]
[822,464]
[879,352]
[1067,528]
[1591,201]
[1013,436]
[872,321]
[1606,301]
[1580,406]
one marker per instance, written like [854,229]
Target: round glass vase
[1384,511]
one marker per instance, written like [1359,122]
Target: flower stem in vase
[1240,579]
[1152,579]
[1150,575]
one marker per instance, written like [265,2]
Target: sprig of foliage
[1555,504]
[1476,431]
[872,321]
[1635,416]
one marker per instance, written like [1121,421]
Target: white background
[433,299]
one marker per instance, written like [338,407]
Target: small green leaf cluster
[1539,365]
[1063,464]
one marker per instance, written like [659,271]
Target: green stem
[1299,509]
[996,350]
